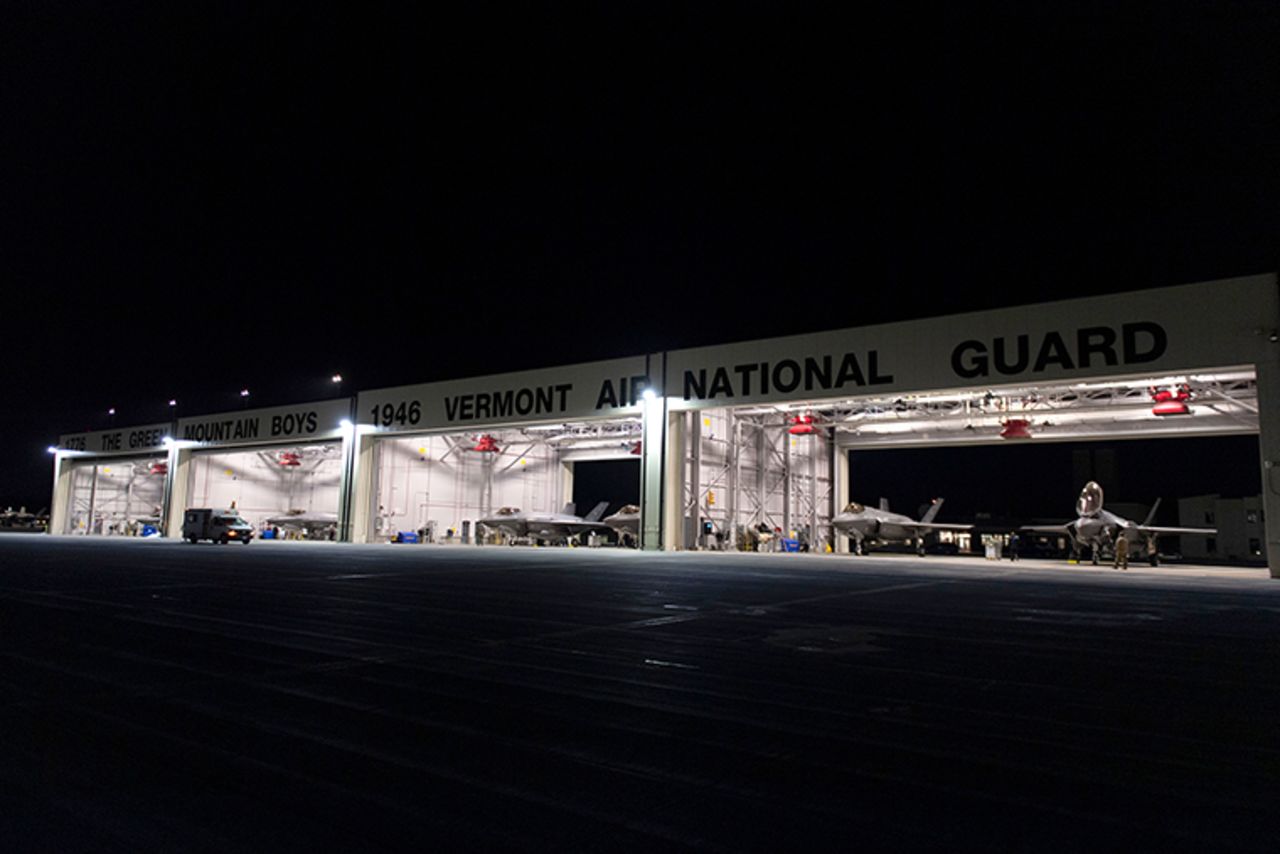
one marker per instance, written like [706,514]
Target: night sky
[200,197]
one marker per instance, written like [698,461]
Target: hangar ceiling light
[1217,403]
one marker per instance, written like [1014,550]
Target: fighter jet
[866,523]
[22,520]
[312,526]
[546,527]
[626,524]
[1100,529]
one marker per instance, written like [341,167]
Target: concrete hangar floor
[298,696]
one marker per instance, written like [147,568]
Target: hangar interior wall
[266,482]
[115,497]
[746,470]
[438,482]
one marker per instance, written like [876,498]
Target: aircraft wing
[1152,529]
[303,519]
[1046,529]
[938,526]
[583,527]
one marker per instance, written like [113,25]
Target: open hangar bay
[730,439]
[158,696]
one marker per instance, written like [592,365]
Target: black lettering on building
[721,384]
[786,375]
[1144,341]
[1087,347]
[1096,341]
[1019,363]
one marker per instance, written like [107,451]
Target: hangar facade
[732,438]
[269,464]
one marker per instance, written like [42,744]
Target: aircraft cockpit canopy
[854,507]
[1090,500]
[630,508]
[508,511]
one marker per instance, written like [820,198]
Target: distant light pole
[111,416]
[173,409]
[244,398]
[336,379]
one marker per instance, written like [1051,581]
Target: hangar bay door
[752,475]
[115,496]
[292,488]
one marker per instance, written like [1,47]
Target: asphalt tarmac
[159,696]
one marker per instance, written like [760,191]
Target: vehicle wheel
[193,540]
[222,541]
[245,541]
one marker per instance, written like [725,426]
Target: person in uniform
[1122,552]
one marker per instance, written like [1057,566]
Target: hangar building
[726,438]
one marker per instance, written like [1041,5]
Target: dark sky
[198,197]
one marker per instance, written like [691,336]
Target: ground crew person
[1122,552]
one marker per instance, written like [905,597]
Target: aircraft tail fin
[933,510]
[568,509]
[597,512]
[884,504]
[1152,515]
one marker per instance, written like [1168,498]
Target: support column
[814,536]
[346,488]
[59,509]
[566,487]
[762,466]
[693,508]
[786,484]
[734,432]
[362,478]
[839,492]
[166,500]
[673,484]
[93,498]
[179,489]
[1269,449]
[653,472]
